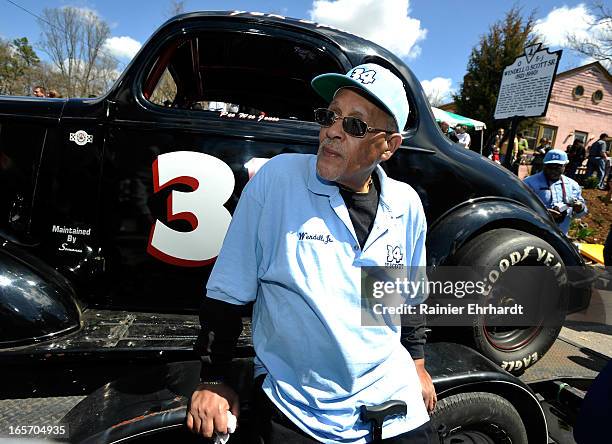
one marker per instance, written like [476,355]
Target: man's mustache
[332,143]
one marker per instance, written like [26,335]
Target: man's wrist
[210,384]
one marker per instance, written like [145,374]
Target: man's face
[553,171]
[459,129]
[350,160]
[500,132]
[444,127]
[38,92]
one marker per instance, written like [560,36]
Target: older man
[445,127]
[561,195]
[463,136]
[302,230]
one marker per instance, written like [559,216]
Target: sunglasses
[351,125]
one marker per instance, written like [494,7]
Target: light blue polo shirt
[292,249]
[551,194]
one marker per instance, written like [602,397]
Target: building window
[531,134]
[534,133]
[578,91]
[581,136]
[550,132]
[597,96]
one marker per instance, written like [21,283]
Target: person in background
[462,135]
[445,127]
[538,156]
[521,146]
[499,137]
[561,195]
[494,156]
[39,91]
[608,173]
[505,151]
[576,155]
[597,160]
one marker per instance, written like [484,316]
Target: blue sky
[434,37]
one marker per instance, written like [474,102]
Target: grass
[579,230]
[590,182]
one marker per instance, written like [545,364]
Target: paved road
[593,327]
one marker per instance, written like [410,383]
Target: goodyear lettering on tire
[542,256]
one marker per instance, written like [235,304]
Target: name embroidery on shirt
[325,238]
[394,257]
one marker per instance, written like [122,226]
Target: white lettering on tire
[520,363]
[543,255]
[515,258]
[503,265]
[212,183]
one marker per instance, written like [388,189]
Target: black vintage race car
[113,209]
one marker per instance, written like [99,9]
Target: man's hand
[577,206]
[557,216]
[208,409]
[429,392]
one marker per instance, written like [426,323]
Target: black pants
[273,427]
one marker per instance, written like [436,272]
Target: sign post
[525,89]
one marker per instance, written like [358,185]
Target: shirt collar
[318,185]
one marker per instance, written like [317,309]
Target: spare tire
[478,418]
[495,252]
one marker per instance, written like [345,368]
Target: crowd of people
[41,91]
[554,173]
[598,159]
[458,135]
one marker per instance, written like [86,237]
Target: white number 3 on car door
[212,182]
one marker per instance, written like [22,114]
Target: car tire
[478,418]
[513,348]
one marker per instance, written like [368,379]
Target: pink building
[580,107]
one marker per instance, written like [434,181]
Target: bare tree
[436,97]
[599,45]
[74,39]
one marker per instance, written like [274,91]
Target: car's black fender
[36,302]
[452,230]
[157,402]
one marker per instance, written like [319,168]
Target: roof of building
[597,65]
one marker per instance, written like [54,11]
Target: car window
[164,93]
[239,72]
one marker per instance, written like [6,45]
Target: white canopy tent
[455,119]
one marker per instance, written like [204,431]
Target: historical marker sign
[527,83]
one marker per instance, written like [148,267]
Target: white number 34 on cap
[363,75]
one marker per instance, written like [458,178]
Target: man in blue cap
[561,195]
[302,230]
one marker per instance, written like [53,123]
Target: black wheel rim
[478,434]
[511,338]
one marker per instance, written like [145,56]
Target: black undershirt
[362,209]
